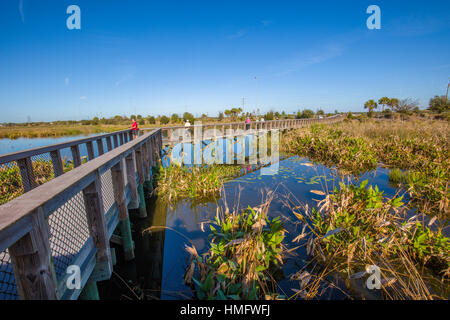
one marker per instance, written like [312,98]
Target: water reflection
[160,255]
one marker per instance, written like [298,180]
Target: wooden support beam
[90,291]
[32,262]
[27,174]
[109,143]
[131,178]
[97,228]
[124,221]
[57,163]
[116,141]
[90,150]
[76,157]
[140,171]
[100,147]
[121,140]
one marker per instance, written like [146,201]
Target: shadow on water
[161,260]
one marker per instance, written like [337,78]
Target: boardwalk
[71,219]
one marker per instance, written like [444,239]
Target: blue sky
[163,57]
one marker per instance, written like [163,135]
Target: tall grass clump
[357,226]
[178,182]
[245,251]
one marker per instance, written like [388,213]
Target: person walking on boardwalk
[134,128]
[247,123]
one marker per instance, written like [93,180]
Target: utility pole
[448,85]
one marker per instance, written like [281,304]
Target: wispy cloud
[266,23]
[21,11]
[236,35]
[305,60]
[83,98]
[127,77]
[66,81]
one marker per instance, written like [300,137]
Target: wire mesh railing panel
[68,232]
[11,182]
[8,289]
[42,168]
[107,190]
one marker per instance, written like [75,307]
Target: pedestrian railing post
[32,264]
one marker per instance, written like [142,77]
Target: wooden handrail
[48,195]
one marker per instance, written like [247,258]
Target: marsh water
[161,258]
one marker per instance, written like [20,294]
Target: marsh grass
[177,182]
[418,147]
[245,251]
[355,227]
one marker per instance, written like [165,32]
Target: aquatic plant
[245,250]
[356,226]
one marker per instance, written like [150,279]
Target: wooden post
[76,156]
[57,163]
[90,291]
[124,220]
[131,178]
[140,171]
[116,142]
[109,143]
[27,174]
[121,138]
[100,147]
[97,228]
[32,262]
[90,150]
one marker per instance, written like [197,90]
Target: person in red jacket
[134,128]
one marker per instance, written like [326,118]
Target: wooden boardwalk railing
[70,220]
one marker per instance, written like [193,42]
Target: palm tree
[371,104]
[384,102]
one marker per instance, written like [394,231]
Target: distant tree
[138,117]
[336,111]
[175,118]
[228,113]
[151,120]
[407,105]
[141,121]
[164,120]
[371,104]
[220,117]
[384,102]
[95,121]
[393,104]
[305,114]
[269,116]
[439,104]
[133,116]
[188,116]
[320,112]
